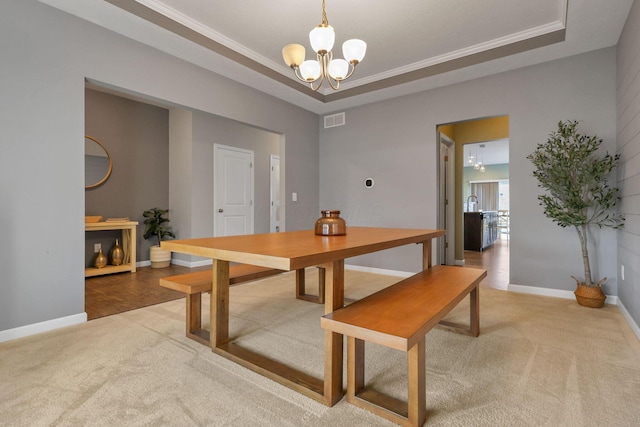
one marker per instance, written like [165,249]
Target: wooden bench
[399,317]
[194,284]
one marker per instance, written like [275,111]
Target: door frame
[274,194]
[446,199]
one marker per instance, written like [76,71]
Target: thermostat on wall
[368,182]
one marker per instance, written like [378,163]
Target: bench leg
[300,286]
[194,312]
[355,367]
[194,319]
[413,412]
[474,322]
[474,317]
[417,407]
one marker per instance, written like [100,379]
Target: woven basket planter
[590,296]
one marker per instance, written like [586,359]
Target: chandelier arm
[352,69]
[296,72]
[335,86]
[319,84]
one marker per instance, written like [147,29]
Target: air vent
[333,120]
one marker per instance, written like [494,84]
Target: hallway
[495,259]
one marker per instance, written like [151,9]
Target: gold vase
[101,259]
[117,254]
[331,224]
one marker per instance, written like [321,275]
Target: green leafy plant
[575,179]
[155,224]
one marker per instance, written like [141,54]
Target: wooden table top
[292,250]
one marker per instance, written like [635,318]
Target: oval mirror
[97,163]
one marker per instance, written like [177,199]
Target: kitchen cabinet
[480,230]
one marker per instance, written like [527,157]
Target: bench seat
[399,317]
[194,284]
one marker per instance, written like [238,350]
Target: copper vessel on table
[330,224]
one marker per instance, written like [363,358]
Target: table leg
[426,254]
[219,303]
[334,299]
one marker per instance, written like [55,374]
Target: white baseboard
[179,262]
[629,319]
[193,264]
[558,293]
[459,262]
[36,328]
[378,271]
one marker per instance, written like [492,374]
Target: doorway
[473,150]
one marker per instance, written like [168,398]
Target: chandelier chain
[325,21]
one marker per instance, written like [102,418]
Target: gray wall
[395,143]
[191,196]
[47,55]
[209,130]
[136,136]
[628,90]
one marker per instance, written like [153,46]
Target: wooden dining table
[294,250]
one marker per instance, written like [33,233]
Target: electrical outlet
[97,247]
[622,271]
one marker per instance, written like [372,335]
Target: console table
[128,243]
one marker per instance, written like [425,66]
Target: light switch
[294,197]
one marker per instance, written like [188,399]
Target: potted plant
[577,193]
[155,224]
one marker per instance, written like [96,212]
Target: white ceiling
[489,152]
[413,45]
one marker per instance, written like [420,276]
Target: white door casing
[274,214]
[446,217]
[233,191]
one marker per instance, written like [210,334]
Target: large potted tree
[577,193]
[155,224]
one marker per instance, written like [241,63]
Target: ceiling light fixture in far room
[479,166]
[324,67]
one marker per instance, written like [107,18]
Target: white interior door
[233,191]
[274,223]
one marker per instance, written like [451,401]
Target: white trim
[462,53]
[629,319]
[192,264]
[558,293]
[48,325]
[459,262]
[379,271]
[143,263]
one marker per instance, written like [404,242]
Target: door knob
[220,210]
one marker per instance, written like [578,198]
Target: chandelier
[324,67]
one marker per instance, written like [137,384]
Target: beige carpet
[538,362]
